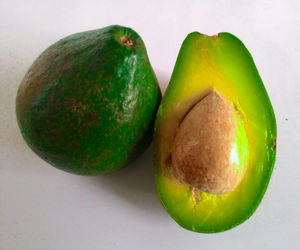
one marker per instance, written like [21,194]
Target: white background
[45,208]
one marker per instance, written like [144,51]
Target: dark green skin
[87,104]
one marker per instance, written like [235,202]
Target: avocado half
[87,104]
[220,64]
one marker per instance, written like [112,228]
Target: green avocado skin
[87,104]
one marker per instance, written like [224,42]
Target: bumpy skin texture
[87,104]
[224,64]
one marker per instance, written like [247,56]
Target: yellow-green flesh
[222,63]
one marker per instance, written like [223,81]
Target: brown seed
[203,145]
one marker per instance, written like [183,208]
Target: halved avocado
[209,65]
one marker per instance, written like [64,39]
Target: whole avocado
[87,104]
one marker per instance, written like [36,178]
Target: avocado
[214,135]
[87,104]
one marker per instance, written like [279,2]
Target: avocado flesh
[87,104]
[222,63]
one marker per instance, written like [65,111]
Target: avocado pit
[204,153]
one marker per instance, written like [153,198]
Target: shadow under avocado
[135,183]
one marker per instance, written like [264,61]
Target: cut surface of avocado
[212,167]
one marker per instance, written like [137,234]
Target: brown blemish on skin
[74,105]
[58,70]
[202,146]
[93,117]
[53,135]
[126,41]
